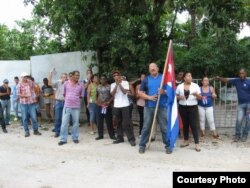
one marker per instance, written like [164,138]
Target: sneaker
[56,135]
[142,150]
[76,141]
[99,138]
[37,133]
[244,139]
[27,134]
[168,151]
[92,132]
[61,143]
[236,139]
[113,138]
[132,143]
[15,119]
[5,131]
[118,141]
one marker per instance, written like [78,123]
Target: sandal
[216,136]
[197,149]
[184,145]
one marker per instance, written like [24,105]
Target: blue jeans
[92,112]
[16,107]
[75,113]
[243,111]
[6,110]
[161,119]
[58,115]
[29,109]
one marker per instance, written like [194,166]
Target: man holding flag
[151,86]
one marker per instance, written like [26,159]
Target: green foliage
[128,34]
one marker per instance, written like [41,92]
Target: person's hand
[181,97]
[161,91]
[214,96]
[216,77]
[153,97]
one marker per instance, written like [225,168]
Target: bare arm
[225,80]
[143,95]
[50,78]
[124,91]
[213,92]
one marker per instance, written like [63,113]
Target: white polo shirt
[120,99]
[191,100]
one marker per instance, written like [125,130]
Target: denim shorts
[92,112]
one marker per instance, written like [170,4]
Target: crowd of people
[114,103]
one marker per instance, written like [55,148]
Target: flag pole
[159,96]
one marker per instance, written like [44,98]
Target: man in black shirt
[5,104]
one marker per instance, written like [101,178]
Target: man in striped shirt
[27,97]
[72,106]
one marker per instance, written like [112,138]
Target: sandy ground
[38,162]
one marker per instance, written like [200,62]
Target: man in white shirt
[119,90]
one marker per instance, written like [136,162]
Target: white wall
[40,66]
[10,69]
[62,62]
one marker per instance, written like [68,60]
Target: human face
[76,76]
[116,76]
[64,77]
[153,69]
[16,81]
[242,74]
[180,76]
[103,80]
[205,81]
[143,76]
[188,78]
[95,79]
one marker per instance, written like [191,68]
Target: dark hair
[186,72]
[74,72]
[116,71]
[204,77]
[16,78]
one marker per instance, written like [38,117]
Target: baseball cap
[23,74]
[5,81]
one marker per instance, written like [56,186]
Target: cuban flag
[172,116]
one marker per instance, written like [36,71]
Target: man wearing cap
[5,91]
[26,92]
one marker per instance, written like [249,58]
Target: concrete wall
[40,66]
[10,69]
[62,62]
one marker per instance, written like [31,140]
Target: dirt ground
[38,161]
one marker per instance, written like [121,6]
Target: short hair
[116,71]
[16,78]
[74,72]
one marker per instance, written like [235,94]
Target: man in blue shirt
[15,98]
[151,90]
[242,85]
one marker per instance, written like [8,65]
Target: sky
[11,10]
